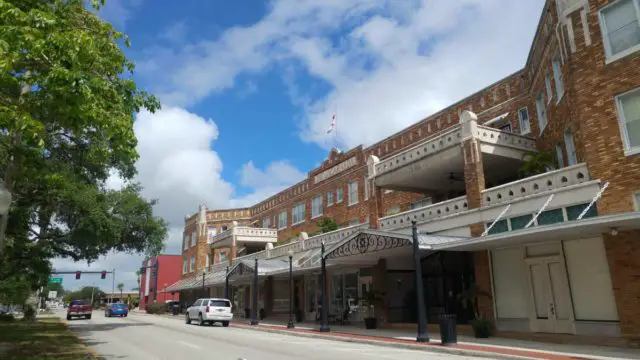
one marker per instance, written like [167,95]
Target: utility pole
[113,285]
[93,288]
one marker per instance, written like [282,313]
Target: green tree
[326,225]
[67,106]
[120,287]
[85,294]
[538,163]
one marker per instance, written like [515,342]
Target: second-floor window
[542,111]
[297,214]
[282,220]
[420,203]
[557,76]
[185,242]
[339,194]
[185,265]
[620,24]
[559,156]
[192,266]
[629,117]
[316,206]
[266,222]
[353,192]
[523,118]
[572,158]
[366,188]
[193,239]
[547,84]
[330,198]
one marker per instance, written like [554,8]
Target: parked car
[79,308]
[116,309]
[210,310]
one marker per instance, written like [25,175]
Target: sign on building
[351,162]
[52,295]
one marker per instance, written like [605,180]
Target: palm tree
[120,287]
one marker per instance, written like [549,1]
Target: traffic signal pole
[113,285]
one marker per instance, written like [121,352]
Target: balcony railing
[245,232]
[452,138]
[548,181]
[429,212]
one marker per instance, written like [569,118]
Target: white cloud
[178,166]
[119,12]
[408,58]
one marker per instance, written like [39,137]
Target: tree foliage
[67,107]
[85,294]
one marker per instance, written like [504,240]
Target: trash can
[448,332]
[175,309]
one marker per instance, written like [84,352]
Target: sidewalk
[466,346]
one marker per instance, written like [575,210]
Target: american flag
[333,124]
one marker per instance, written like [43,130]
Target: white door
[552,310]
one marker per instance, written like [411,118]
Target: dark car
[117,309]
[79,308]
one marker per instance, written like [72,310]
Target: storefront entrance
[550,294]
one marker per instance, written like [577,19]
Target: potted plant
[482,327]
[538,162]
[373,299]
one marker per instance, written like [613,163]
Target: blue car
[118,309]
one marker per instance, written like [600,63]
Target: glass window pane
[550,217]
[499,227]
[623,30]
[520,222]
[574,211]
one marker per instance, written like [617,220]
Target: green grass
[42,339]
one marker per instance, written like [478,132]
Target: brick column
[376,210]
[623,251]
[379,283]
[475,184]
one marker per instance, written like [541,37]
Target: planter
[482,328]
[371,323]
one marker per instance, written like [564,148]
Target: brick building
[156,274]
[500,185]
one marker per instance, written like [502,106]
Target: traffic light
[103,275]
[78,275]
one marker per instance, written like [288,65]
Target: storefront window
[499,227]
[550,217]
[574,211]
[337,296]
[520,222]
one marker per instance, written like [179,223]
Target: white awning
[496,119]
[569,230]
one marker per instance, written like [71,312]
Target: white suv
[210,310]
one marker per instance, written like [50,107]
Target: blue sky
[248,88]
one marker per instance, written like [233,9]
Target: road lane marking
[189,345]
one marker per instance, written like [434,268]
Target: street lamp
[254,295]
[290,325]
[422,335]
[324,311]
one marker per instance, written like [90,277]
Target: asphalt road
[147,337]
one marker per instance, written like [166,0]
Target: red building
[156,273]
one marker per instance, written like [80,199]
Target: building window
[542,112]
[223,256]
[353,192]
[282,220]
[330,198]
[620,24]
[557,77]
[193,263]
[193,239]
[266,223]
[185,263]
[339,194]
[505,127]
[629,117]
[297,214]
[547,84]
[206,257]
[523,118]
[366,189]
[316,206]
[394,210]
[572,159]
[185,242]
[559,156]
[354,222]
[637,199]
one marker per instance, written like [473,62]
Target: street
[146,337]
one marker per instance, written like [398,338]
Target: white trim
[548,87]
[496,119]
[585,27]
[609,57]
[572,40]
[622,123]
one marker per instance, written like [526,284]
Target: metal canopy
[368,241]
[265,266]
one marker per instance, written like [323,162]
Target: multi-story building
[156,274]
[527,190]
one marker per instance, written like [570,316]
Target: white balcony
[247,236]
[425,213]
[546,182]
[432,164]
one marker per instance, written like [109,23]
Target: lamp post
[254,295]
[226,284]
[290,325]
[203,290]
[324,311]
[422,335]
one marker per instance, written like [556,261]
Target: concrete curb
[428,348]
